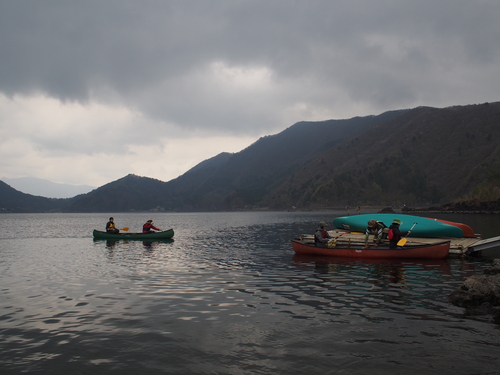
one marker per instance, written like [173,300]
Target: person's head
[111,219]
[150,221]
[322,224]
[397,222]
[372,223]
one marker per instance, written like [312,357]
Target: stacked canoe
[424,227]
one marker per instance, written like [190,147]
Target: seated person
[147,228]
[321,236]
[110,226]
[395,234]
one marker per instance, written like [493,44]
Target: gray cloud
[247,67]
[70,49]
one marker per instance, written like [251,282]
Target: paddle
[125,229]
[403,240]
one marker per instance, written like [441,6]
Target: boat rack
[458,246]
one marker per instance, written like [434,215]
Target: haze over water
[228,296]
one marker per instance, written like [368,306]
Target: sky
[91,91]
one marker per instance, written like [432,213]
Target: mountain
[246,177]
[424,156]
[12,200]
[130,193]
[45,188]
[419,156]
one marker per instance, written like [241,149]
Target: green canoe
[164,235]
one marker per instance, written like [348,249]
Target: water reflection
[364,282]
[151,245]
[128,248]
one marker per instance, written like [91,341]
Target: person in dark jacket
[321,236]
[110,226]
[395,234]
[147,228]
[376,229]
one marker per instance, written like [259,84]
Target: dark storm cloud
[159,56]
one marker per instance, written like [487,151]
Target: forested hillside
[423,156]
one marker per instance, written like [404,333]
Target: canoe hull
[437,250]
[425,227]
[467,230]
[164,235]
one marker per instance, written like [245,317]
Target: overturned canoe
[163,235]
[438,250]
[467,230]
[425,227]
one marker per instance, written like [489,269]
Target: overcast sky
[91,91]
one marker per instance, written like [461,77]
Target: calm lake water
[228,296]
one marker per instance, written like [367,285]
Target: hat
[322,224]
[397,221]
[150,221]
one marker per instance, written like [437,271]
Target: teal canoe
[163,235]
[425,227]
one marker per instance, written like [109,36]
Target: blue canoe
[425,227]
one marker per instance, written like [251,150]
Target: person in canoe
[395,234]
[148,227]
[375,228]
[321,236]
[110,226]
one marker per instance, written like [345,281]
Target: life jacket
[322,233]
[390,235]
[394,236]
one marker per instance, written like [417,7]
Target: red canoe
[438,250]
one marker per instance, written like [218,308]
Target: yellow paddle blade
[125,229]
[402,242]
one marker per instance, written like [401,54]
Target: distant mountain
[130,193]
[45,188]
[420,156]
[12,200]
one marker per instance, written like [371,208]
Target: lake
[228,296]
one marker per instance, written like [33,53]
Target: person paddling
[147,228]
[110,226]
[395,234]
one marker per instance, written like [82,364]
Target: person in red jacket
[147,228]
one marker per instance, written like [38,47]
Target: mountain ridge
[46,188]
[420,156]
